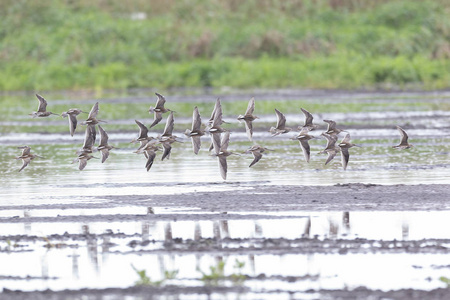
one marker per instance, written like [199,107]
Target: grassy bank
[58,44]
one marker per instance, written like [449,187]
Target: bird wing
[168,129]
[225,141]
[105,154]
[403,135]
[160,102]
[331,125]
[72,123]
[308,117]
[306,149]
[281,120]
[257,156]
[196,142]
[167,148]
[249,129]
[345,156]
[217,120]
[213,114]
[331,155]
[196,120]
[250,107]
[215,139]
[223,166]
[94,111]
[42,103]
[26,162]
[157,119]
[150,158]
[143,130]
[346,139]
[89,137]
[82,162]
[26,151]
[103,137]
[331,141]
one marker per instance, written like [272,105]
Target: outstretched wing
[223,166]
[196,142]
[345,156]
[225,141]
[72,123]
[306,149]
[157,119]
[281,120]
[168,129]
[26,162]
[403,136]
[161,101]
[94,111]
[42,103]
[196,120]
[103,137]
[257,156]
[143,130]
[150,158]
[250,107]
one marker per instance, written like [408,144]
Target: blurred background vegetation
[121,44]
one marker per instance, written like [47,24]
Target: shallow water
[44,245]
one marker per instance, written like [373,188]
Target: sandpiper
[167,139]
[257,151]
[331,129]
[42,109]
[281,125]
[215,129]
[196,132]
[249,118]
[26,156]
[89,140]
[72,114]
[403,140]
[303,137]
[331,149]
[143,137]
[82,159]
[158,110]
[92,117]
[345,144]
[103,147]
[308,121]
[149,150]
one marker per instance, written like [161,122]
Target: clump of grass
[217,275]
[144,279]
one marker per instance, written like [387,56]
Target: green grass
[58,44]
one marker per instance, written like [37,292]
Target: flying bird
[249,118]
[158,110]
[223,154]
[92,117]
[345,144]
[167,139]
[257,151]
[26,156]
[403,140]
[303,137]
[215,129]
[308,121]
[104,147]
[196,132]
[72,114]
[332,129]
[42,109]
[280,127]
[331,149]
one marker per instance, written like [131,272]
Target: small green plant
[144,279]
[238,277]
[217,273]
[445,280]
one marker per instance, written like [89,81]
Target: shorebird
[281,124]
[308,121]
[167,139]
[42,109]
[345,144]
[103,147]
[89,140]
[196,132]
[331,149]
[257,151]
[249,118]
[158,110]
[303,137]
[403,140]
[331,129]
[26,156]
[82,159]
[143,137]
[72,114]
[149,150]
[215,129]
[223,154]
[92,117]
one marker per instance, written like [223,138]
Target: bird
[167,139]
[89,140]
[281,124]
[257,151]
[344,145]
[308,121]
[82,159]
[42,109]
[72,114]
[104,147]
[149,150]
[331,129]
[196,132]
[215,129]
[26,156]
[249,118]
[92,117]
[303,137]
[143,137]
[158,110]
[217,106]
[223,154]
[403,140]
[331,149]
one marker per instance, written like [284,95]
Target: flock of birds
[220,137]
